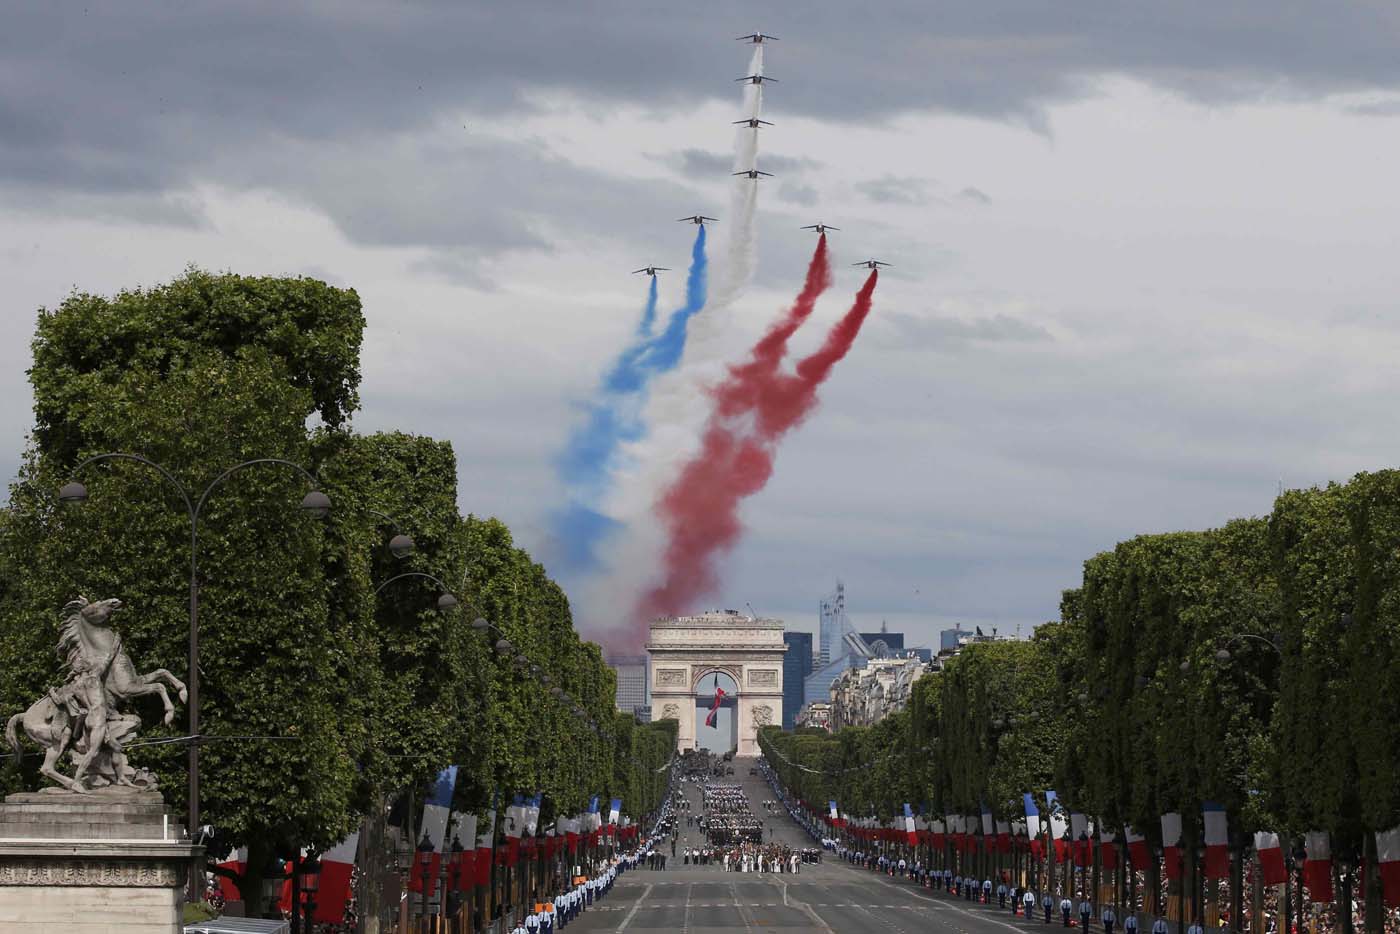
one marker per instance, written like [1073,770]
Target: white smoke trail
[678,405]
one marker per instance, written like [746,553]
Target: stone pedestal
[106,862]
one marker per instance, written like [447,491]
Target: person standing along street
[1159,926]
[1066,906]
[1047,903]
[1108,917]
[1130,923]
[1001,895]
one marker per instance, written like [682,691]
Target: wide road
[833,897]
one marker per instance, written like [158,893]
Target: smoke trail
[700,509]
[648,312]
[614,417]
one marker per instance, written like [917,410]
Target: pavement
[832,897]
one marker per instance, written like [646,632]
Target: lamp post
[424,856]
[314,503]
[310,886]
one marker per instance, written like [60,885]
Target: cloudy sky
[1144,254]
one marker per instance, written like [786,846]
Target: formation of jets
[756,38]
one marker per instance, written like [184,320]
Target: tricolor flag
[235,861]
[1270,854]
[1108,849]
[1217,838]
[434,829]
[1317,869]
[713,716]
[1137,849]
[464,849]
[1388,855]
[614,809]
[939,832]
[1171,844]
[987,824]
[485,843]
[834,816]
[1032,816]
[1079,838]
[333,892]
[910,834]
[1003,836]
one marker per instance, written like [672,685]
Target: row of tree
[1254,665]
[342,685]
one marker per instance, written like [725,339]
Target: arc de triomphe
[685,650]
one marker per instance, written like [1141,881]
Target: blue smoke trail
[613,418]
[648,313]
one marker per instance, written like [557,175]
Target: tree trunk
[369,894]
[1375,906]
[250,884]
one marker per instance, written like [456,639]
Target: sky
[1143,255]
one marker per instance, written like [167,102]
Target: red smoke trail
[700,510]
[742,391]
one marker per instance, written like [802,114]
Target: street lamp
[446,600]
[310,886]
[315,503]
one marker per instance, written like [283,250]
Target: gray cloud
[975,195]
[793,193]
[143,96]
[890,189]
[943,332]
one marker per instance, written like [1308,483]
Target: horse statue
[82,717]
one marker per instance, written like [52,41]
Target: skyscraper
[834,625]
[631,681]
[797,665]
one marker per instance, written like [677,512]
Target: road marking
[739,906]
[685,923]
[628,920]
[806,909]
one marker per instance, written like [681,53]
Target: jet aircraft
[696,219]
[756,38]
[820,228]
[757,79]
[752,122]
[652,270]
[754,173]
[870,263]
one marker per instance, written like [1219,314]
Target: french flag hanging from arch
[713,717]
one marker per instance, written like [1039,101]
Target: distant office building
[950,639]
[922,654]
[797,665]
[643,714]
[631,681]
[817,687]
[894,642]
[834,625]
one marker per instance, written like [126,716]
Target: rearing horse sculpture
[84,716]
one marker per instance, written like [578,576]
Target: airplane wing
[829,227]
[811,227]
[635,271]
[663,268]
[769,174]
[704,218]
